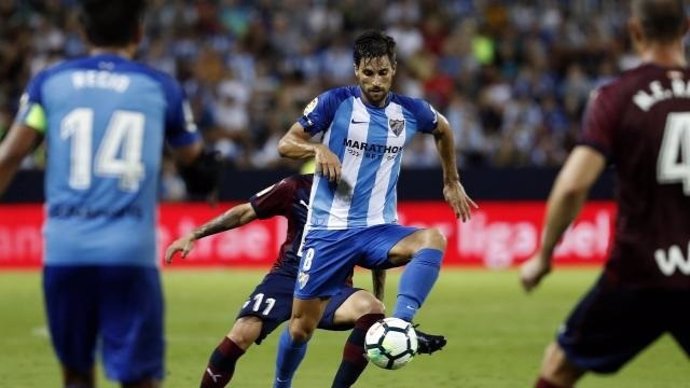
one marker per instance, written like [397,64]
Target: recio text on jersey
[100,79]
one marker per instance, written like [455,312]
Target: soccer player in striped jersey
[105,119]
[640,122]
[353,215]
[270,304]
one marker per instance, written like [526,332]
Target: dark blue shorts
[328,256]
[118,309]
[612,324]
[271,301]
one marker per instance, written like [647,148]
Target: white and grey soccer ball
[391,343]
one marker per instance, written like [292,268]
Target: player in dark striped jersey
[271,302]
[640,123]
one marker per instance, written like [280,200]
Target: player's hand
[183,244]
[534,270]
[327,163]
[461,203]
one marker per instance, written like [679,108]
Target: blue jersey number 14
[123,137]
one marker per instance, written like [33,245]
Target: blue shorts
[271,302]
[117,308]
[328,256]
[612,324]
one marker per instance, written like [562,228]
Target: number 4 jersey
[641,122]
[105,121]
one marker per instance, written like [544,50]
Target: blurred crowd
[511,76]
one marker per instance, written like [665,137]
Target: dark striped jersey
[641,122]
[288,198]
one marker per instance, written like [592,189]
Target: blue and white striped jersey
[369,142]
[105,120]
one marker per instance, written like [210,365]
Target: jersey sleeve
[179,120]
[274,200]
[31,112]
[598,123]
[319,113]
[426,115]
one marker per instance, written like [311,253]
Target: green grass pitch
[496,334]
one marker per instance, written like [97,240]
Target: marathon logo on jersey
[397,126]
[372,148]
[302,279]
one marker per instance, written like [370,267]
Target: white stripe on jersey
[377,202]
[350,167]
[314,185]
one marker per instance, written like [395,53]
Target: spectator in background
[541,51]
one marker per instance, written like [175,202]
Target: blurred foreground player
[641,123]
[105,119]
[271,302]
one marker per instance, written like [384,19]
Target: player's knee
[301,330]
[240,340]
[557,368]
[245,331]
[369,305]
[300,334]
[433,238]
[430,238]
[404,251]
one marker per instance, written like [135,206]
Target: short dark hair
[111,23]
[373,44]
[662,20]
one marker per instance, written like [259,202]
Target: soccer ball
[391,343]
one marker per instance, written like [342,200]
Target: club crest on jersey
[302,278]
[397,126]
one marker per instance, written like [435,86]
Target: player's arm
[233,218]
[453,191]
[18,143]
[296,144]
[378,277]
[200,169]
[581,170]
[187,155]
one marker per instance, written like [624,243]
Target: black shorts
[612,324]
[271,302]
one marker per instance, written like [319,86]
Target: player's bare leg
[403,252]
[306,315]
[356,306]
[423,252]
[556,370]
[363,310]
[74,379]
[221,364]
